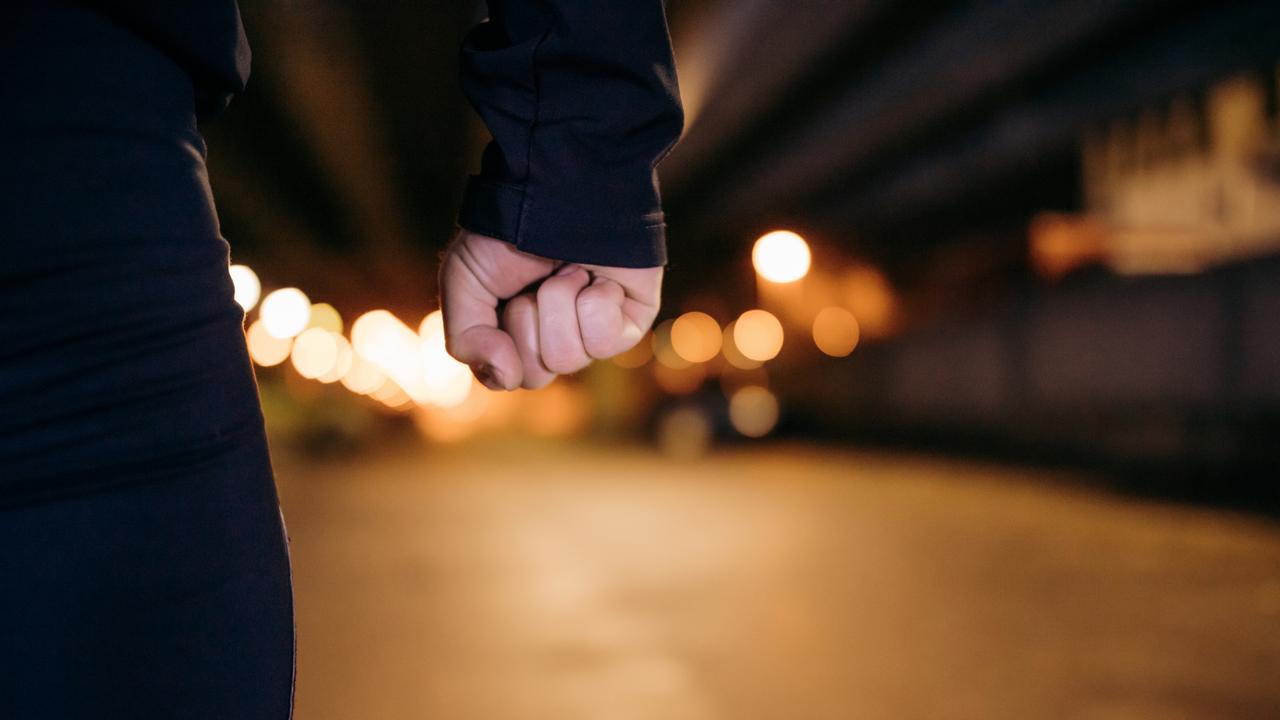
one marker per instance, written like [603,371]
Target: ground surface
[544,583]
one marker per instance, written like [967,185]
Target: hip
[161,600]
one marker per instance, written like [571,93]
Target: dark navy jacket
[579,95]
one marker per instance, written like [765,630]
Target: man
[143,567]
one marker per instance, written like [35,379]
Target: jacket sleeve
[581,99]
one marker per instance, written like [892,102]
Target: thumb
[471,327]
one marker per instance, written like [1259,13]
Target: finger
[520,321]
[643,290]
[559,341]
[471,327]
[605,330]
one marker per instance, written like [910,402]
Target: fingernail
[566,269]
[488,376]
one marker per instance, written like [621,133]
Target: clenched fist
[557,316]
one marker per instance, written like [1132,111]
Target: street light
[781,256]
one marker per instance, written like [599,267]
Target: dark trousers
[164,600]
[143,567]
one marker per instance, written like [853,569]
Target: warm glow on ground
[758,335]
[247,287]
[695,336]
[781,256]
[285,312]
[835,331]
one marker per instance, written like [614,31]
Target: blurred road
[539,583]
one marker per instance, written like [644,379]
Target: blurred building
[1178,187]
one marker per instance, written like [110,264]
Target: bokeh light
[324,315]
[558,410]
[266,349]
[363,377]
[872,299]
[663,352]
[781,256]
[374,336]
[285,312]
[446,381]
[432,325]
[695,336]
[753,411]
[314,353]
[758,335]
[731,353]
[637,356]
[392,395]
[835,331]
[342,363]
[456,423]
[681,380]
[247,286]
[382,339]
[684,432]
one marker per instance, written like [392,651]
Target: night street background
[963,401]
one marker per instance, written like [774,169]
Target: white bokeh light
[781,256]
[247,286]
[447,381]
[285,312]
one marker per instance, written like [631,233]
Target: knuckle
[599,342]
[538,381]
[557,364]
[520,308]
[563,361]
[551,287]
[590,303]
[601,349]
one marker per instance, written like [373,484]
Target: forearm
[582,102]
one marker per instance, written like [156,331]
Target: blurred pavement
[545,582]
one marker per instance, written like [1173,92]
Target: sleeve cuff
[590,235]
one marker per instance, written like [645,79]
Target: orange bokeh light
[695,336]
[835,331]
[758,335]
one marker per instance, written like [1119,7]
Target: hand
[576,313]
